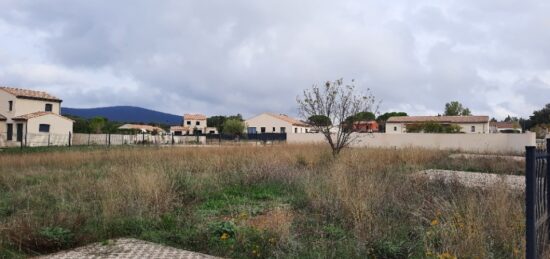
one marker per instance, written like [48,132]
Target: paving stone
[126,248]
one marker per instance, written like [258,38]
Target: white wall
[268,121]
[465,127]
[492,143]
[58,125]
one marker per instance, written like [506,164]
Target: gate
[537,187]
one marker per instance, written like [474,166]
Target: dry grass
[366,193]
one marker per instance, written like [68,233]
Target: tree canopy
[387,115]
[233,127]
[336,101]
[455,108]
[319,121]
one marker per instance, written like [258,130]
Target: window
[473,129]
[262,129]
[307,131]
[188,122]
[394,128]
[273,129]
[198,123]
[10,105]
[45,128]
[49,107]
[251,130]
[295,130]
[283,130]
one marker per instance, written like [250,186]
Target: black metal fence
[264,138]
[537,177]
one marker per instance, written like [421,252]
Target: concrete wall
[25,106]
[492,143]
[58,125]
[393,128]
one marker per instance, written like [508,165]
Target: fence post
[173,140]
[109,139]
[89,134]
[49,136]
[70,136]
[143,138]
[530,195]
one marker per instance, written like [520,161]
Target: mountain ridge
[127,114]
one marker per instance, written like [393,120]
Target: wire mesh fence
[89,139]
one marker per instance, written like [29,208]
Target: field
[255,202]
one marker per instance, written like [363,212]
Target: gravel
[471,179]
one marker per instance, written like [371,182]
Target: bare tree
[339,103]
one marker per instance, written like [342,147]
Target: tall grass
[278,201]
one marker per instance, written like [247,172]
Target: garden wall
[490,143]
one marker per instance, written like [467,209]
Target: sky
[227,57]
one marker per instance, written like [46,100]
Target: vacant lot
[277,201]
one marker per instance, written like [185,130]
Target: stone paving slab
[471,179]
[126,248]
[506,157]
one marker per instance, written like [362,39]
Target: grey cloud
[252,56]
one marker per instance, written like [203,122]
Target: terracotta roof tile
[188,116]
[141,127]
[179,128]
[504,124]
[31,94]
[440,119]
[290,120]
[37,114]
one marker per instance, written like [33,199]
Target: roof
[290,120]
[30,94]
[504,124]
[2,117]
[141,127]
[440,119]
[189,116]
[36,115]
[179,128]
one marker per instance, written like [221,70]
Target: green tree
[319,121]
[96,124]
[233,127]
[217,122]
[455,108]
[541,116]
[384,117]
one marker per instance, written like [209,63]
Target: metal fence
[264,138]
[537,177]
[86,139]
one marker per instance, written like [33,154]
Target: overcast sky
[227,57]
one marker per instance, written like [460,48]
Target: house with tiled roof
[276,123]
[142,128]
[505,127]
[193,124]
[468,124]
[27,113]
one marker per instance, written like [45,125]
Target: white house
[505,127]
[275,123]
[193,124]
[25,113]
[468,124]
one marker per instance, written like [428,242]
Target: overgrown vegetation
[254,202]
[433,127]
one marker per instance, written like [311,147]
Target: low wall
[490,143]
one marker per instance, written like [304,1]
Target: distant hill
[127,114]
